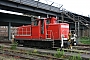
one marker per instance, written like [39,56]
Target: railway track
[76,49]
[87,48]
[83,50]
[27,55]
[68,52]
[84,45]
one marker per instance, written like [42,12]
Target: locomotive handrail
[21,32]
[48,34]
[51,34]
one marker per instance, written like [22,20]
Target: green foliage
[35,51]
[59,53]
[75,57]
[79,57]
[14,45]
[72,58]
[1,47]
[85,40]
[29,52]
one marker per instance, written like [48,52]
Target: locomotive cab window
[48,21]
[36,23]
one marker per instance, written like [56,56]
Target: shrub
[59,53]
[14,45]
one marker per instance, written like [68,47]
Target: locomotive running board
[55,47]
[48,38]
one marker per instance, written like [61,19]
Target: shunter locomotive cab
[44,32]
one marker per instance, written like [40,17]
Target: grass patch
[1,47]
[75,57]
[85,40]
[14,45]
[59,54]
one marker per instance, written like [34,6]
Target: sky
[81,7]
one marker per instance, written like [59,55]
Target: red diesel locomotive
[44,32]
